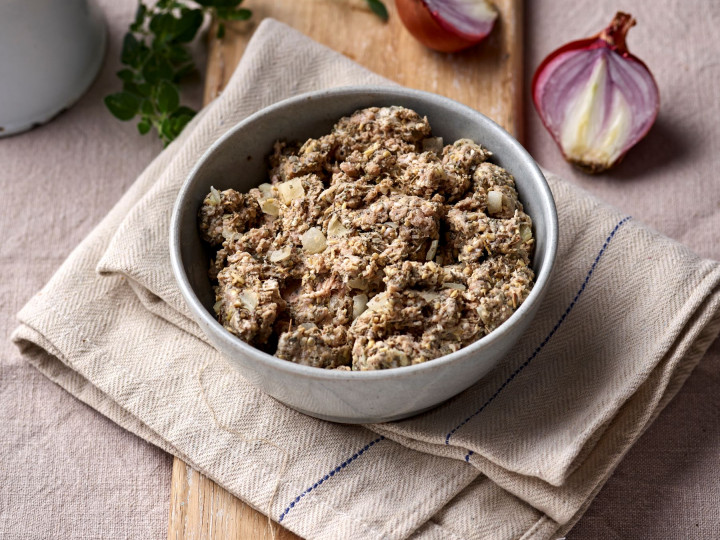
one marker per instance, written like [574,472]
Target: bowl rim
[198,310]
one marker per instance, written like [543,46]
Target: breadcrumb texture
[375,246]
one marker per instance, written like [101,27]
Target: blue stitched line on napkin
[336,470]
[547,338]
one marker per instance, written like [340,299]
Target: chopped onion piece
[308,325]
[249,299]
[217,306]
[270,207]
[270,284]
[214,198]
[280,254]
[360,303]
[328,193]
[358,283]
[377,302]
[267,191]
[457,286]
[397,357]
[429,296]
[525,232]
[432,251]
[291,190]
[336,227]
[433,144]
[483,313]
[494,199]
[313,240]
[230,235]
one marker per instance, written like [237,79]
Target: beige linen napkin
[520,454]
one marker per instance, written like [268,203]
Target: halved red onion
[595,98]
[447,25]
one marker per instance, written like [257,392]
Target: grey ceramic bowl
[238,160]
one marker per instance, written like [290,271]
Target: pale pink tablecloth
[83,477]
[668,485]
[65,470]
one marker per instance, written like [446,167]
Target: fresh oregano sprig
[156,57]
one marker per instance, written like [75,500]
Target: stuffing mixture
[373,247]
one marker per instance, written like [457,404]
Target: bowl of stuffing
[363,254]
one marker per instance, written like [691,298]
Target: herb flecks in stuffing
[372,247]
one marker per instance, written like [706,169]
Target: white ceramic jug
[50,52]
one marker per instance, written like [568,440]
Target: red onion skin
[613,38]
[431,30]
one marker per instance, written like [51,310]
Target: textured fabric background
[120,338]
[67,471]
[666,486]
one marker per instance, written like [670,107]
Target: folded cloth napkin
[522,453]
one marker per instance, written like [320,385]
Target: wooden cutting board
[487,78]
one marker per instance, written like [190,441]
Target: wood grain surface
[487,78]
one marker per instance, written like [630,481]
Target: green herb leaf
[123,105]
[220,31]
[144,89]
[378,8]
[126,75]
[157,68]
[188,25]
[183,71]
[235,15]
[144,126]
[183,110]
[166,130]
[178,54]
[147,108]
[219,4]
[162,23]
[139,17]
[131,88]
[130,50]
[168,97]
[177,125]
